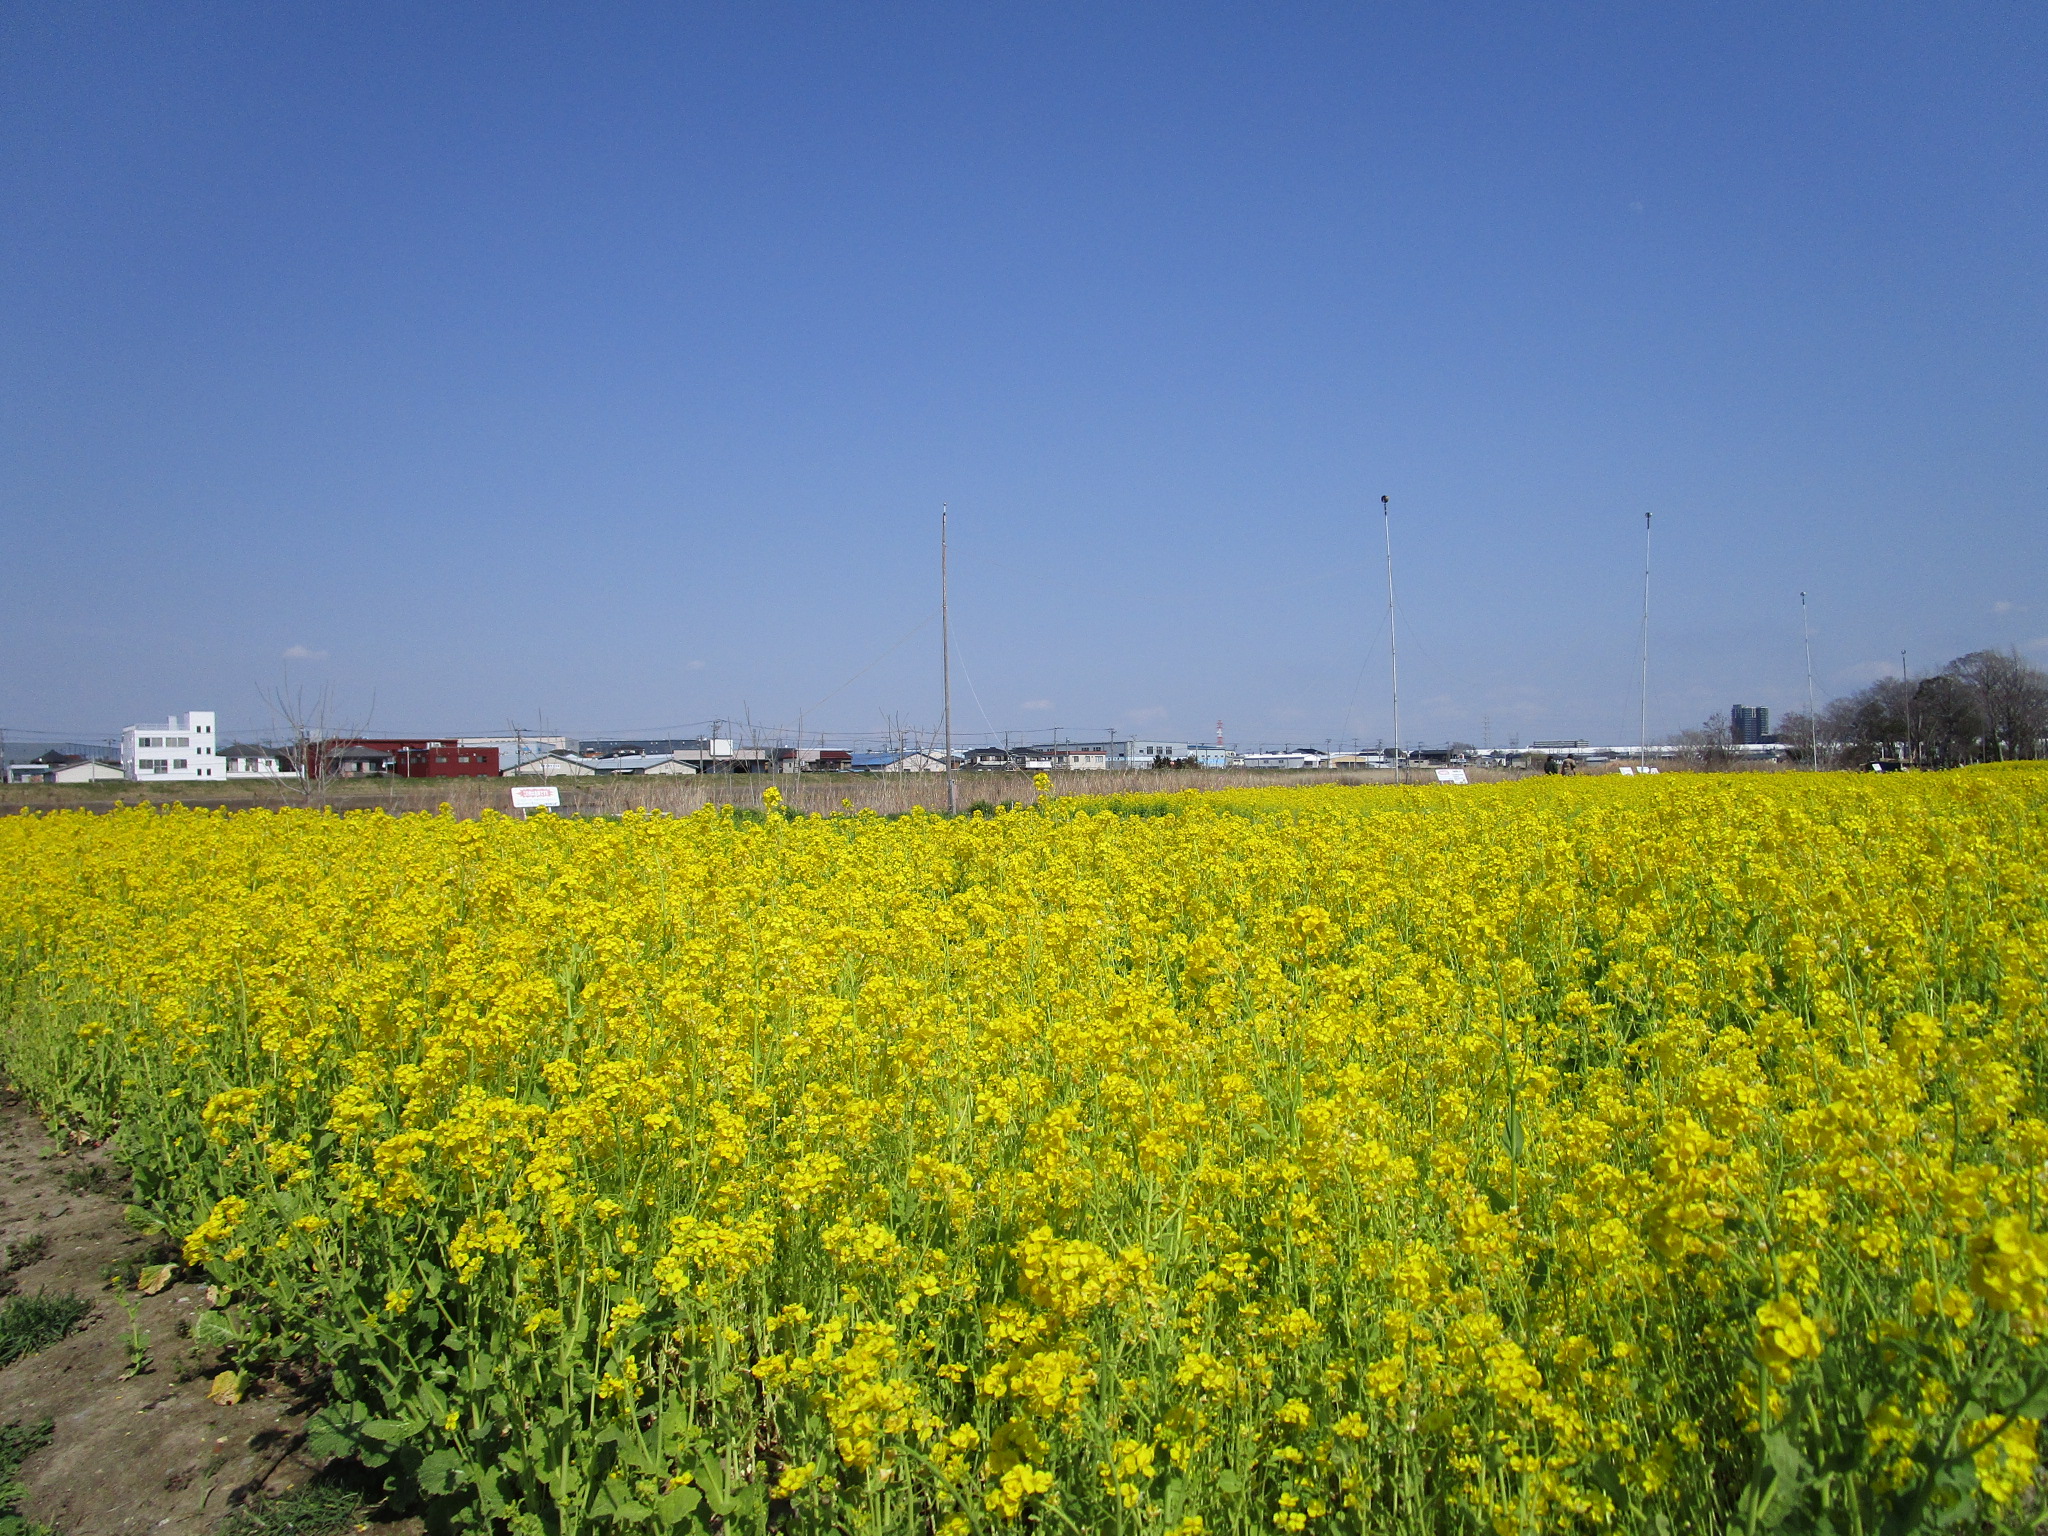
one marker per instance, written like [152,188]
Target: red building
[444,760]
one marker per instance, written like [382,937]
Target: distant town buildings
[1749,725]
[184,748]
[54,767]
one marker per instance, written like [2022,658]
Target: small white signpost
[527,797]
[1451,776]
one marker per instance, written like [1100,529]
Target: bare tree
[2012,701]
[1708,747]
[1871,724]
[314,734]
[1988,705]
[1949,728]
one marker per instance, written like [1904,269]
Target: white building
[87,770]
[1128,752]
[181,748]
[243,761]
[637,763]
[1299,757]
[552,765]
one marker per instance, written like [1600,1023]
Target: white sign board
[1451,776]
[530,796]
[1625,768]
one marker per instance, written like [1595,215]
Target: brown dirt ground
[151,1453]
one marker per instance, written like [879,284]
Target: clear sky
[606,366]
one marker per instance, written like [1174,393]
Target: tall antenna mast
[1812,722]
[1393,640]
[946,662]
[1906,753]
[1643,720]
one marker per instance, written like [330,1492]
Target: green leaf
[612,1497]
[218,1326]
[393,1431]
[334,1431]
[711,1478]
[443,1472]
[337,1432]
[433,1402]
[1783,1455]
[677,1504]
[1228,1481]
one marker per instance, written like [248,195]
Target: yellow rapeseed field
[1631,1155]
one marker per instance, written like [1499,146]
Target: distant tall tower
[1748,724]
[1219,733]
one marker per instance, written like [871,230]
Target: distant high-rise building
[1749,725]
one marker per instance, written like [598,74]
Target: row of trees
[1988,706]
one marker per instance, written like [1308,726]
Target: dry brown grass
[824,793]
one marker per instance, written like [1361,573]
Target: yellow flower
[2009,1270]
[1785,1336]
[1021,1483]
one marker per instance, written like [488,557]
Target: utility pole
[1812,721]
[1643,721]
[946,662]
[1393,640]
[1906,681]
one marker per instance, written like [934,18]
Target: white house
[898,762]
[1129,752]
[552,765]
[181,748]
[242,761]
[87,770]
[636,763]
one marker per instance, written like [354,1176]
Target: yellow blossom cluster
[1605,1155]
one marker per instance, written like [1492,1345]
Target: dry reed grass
[888,794]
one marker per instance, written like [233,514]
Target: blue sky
[606,367]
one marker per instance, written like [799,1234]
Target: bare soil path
[147,1454]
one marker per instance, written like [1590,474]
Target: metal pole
[1393,640]
[946,662]
[1812,721]
[1643,721]
[1906,752]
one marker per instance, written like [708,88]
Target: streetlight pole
[1393,639]
[1812,720]
[946,661]
[1643,720]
